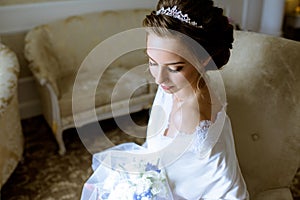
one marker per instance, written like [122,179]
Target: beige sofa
[55,52]
[11,136]
[263,92]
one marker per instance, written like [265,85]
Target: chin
[168,91]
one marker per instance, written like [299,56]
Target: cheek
[180,79]
[192,75]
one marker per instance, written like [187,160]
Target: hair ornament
[177,14]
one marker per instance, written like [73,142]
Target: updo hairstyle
[214,32]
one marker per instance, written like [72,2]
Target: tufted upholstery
[11,136]
[55,52]
[263,92]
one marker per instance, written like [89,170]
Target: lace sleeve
[207,135]
[200,136]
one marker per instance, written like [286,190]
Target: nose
[161,76]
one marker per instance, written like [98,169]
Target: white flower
[153,175]
[156,188]
[109,183]
[142,185]
[122,191]
[148,183]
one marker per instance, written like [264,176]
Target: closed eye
[178,69]
[172,70]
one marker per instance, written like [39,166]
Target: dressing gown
[198,166]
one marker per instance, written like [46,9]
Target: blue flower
[136,197]
[147,194]
[151,167]
[105,195]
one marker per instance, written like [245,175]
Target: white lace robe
[202,165]
[199,166]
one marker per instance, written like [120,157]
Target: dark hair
[215,34]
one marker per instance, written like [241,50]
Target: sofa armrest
[274,194]
[9,71]
[42,60]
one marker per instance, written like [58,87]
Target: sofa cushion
[116,84]
[9,71]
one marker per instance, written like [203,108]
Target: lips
[166,87]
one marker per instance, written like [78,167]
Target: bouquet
[149,183]
[121,176]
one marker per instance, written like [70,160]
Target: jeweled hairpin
[177,14]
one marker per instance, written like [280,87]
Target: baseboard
[29,102]
[30,109]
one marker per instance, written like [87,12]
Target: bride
[189,151]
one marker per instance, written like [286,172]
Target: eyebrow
[172,63]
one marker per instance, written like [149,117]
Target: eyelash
[151,64]
[175,70]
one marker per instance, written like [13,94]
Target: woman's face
[168,66]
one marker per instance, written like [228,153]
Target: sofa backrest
[263,92]
[73,38]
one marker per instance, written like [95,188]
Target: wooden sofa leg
[58,132]
[61,144]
